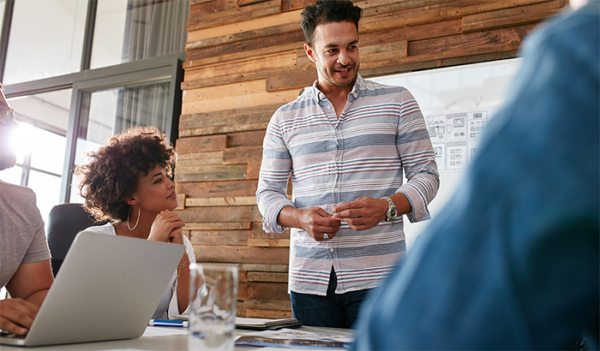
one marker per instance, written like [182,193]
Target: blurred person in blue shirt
[512,262]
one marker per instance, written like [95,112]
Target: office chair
[64,222]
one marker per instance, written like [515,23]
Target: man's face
[7,126]
[335,53]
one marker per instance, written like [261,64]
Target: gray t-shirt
[22,235]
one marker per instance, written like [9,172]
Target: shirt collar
[359,84]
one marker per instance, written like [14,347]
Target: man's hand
[17,315]
[316,221]
[361,214]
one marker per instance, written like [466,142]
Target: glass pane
[2,6]
[109,112]
[11,175]
[46,39]
[129,30]
[49,113]
[48,153]
[47,191]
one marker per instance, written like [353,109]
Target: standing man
[346,142]
[24,256]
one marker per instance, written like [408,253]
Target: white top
[168,306]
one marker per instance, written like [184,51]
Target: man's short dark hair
[327,11]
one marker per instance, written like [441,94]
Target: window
[46,39]
[78,71]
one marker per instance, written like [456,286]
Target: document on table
[290,338]
[162,331]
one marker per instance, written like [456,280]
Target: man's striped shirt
[380,134]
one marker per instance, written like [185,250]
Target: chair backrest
[64,222]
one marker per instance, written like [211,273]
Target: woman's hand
[167,228]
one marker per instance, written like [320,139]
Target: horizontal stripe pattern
[379,137]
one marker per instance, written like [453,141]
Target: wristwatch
[391,212]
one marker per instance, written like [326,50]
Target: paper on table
[289,338]
[164,331]
[263,322]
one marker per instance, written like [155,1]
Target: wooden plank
[269,242]
[218,188]
[221,201]
[240,254]
[261,63]
[263,267]
[224,117]
[268,304]
[180,202]
[374,8]
[295,80]
[199,159]
[232,15]
[256,43]
[220,237]
[469,44]
[512,16]
[235,173]
[231,90]
[251,122]
[220,214]
[244,127]
[253,170]
[249,2]
[213,169]
[245,26]
[293,5]
[217,226]
[434,13]
[268,291]
[269,314]
[477,58]
[243,54]
[243,36]
[201,144]
[247,139]
[424,31]
[250,100]
[267,277]
[246,154]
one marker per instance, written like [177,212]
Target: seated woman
[128,181]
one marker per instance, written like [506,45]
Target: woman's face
[155,191]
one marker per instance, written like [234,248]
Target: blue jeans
[335,311]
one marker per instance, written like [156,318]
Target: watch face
[393,213]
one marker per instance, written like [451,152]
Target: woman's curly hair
[111,176]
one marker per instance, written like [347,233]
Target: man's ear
[309,52]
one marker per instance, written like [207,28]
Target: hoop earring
[136,222]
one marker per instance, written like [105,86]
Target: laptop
[108,288]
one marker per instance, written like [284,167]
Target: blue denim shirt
[513,261]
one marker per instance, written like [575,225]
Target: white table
[157,343]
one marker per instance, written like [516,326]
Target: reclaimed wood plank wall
[245,59]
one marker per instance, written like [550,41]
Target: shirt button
[330,250]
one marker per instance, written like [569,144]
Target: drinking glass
[213,299]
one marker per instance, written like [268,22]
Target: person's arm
[28,288]
[275,169]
